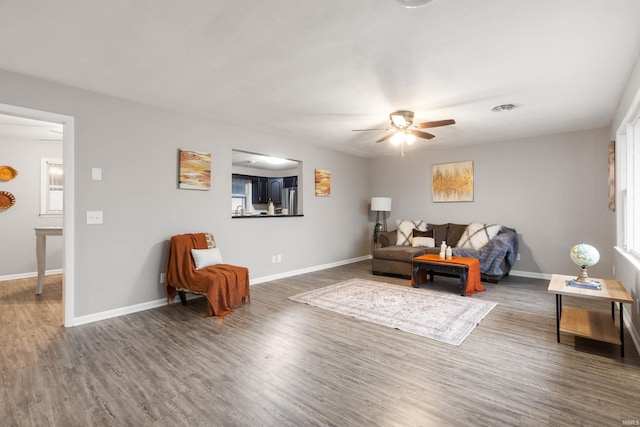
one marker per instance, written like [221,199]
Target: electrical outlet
[518,257]
[274,259]
[161,277]
[94,217]
[279,257]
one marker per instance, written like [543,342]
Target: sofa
[495,246]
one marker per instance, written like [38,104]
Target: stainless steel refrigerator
[290,200]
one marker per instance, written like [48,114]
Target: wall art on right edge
[612,176]
[452,182]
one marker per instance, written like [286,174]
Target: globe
[585,256]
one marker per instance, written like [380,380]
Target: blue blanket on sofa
[503,246]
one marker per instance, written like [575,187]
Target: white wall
[551,189]
[118,263]
[17,237]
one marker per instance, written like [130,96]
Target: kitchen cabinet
[274,190]
[259,190]
[290,181]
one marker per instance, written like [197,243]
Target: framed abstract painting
[194,170]
[323,182]
[452,182]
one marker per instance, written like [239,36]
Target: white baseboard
[632,331]
[27,275]
[109,314]
[255,281]
[530,274]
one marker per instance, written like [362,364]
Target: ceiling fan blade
[435,124]
[363,130]
[420,134]
[384,138]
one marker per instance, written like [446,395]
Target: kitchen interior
[264,186]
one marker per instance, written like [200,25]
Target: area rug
[444,317]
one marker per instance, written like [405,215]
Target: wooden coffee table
[597,325]
[440,267]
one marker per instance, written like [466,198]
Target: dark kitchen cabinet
[259,190]
[275,190]
[290,181]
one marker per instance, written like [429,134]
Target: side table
[596,325]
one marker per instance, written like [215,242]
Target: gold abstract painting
[195,170]
[452,182]
[323,182]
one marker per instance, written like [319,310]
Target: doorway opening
[66,134]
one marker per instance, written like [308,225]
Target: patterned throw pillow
[476,236]
[405,231]
[211,242]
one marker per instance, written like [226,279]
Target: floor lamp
[381,204]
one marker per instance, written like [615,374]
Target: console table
[41,251]
[596,325]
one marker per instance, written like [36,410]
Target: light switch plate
[96,174]
[94,217]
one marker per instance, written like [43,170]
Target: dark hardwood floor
[275,362]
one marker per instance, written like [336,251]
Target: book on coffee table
[591,284]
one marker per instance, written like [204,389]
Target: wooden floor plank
[276,362]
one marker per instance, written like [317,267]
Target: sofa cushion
[405,231]
[398,253]
[454,233]
[387,238]
[439,232]
[476,236]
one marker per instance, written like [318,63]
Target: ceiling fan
[404,131]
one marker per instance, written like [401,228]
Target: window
[632,213]
[628,181]
[240,194]
[51,187]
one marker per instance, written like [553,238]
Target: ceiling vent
[413,3]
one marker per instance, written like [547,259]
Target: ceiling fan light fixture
[410,138]
[411,4]
[397,138]
[401,119]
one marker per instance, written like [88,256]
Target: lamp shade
[381,204]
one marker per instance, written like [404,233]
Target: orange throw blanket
[473,275]
[224,285]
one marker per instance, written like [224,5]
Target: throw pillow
[420,233]
[425,242]
[439,232]
[476,236]
[405,231]
[206,257]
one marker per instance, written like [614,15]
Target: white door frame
[68,314]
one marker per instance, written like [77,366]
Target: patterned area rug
[444,317]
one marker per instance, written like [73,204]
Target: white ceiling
[313,71]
